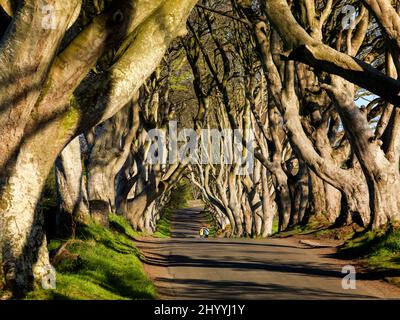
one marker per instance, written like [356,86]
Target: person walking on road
[206,232]
[201,232]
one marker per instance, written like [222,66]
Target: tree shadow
[239,290]
[5,20]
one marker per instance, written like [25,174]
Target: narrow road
[187,267]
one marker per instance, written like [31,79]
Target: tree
[71,190]
[52,112]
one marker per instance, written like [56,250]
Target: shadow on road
[187,267]
[239,290]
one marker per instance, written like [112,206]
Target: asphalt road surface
[187,267]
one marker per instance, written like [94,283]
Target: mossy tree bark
[26,61]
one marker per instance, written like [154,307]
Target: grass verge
[380,249]
[211,223]
[164,224]
[100,264]
[314,225]
[275,226]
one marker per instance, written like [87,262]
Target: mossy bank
[99,264]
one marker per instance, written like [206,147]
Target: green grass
[379,250]
[212,224]
[275,226]
[107,267]
[296,230]
[338,233]
[314,225]
[164,224]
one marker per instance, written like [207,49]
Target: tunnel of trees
[83,82]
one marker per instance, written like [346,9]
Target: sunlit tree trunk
[108,154]
[381,172]
[268,208]
[71,190]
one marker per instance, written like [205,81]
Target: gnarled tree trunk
[108,154]
[382,173]
[71,190]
